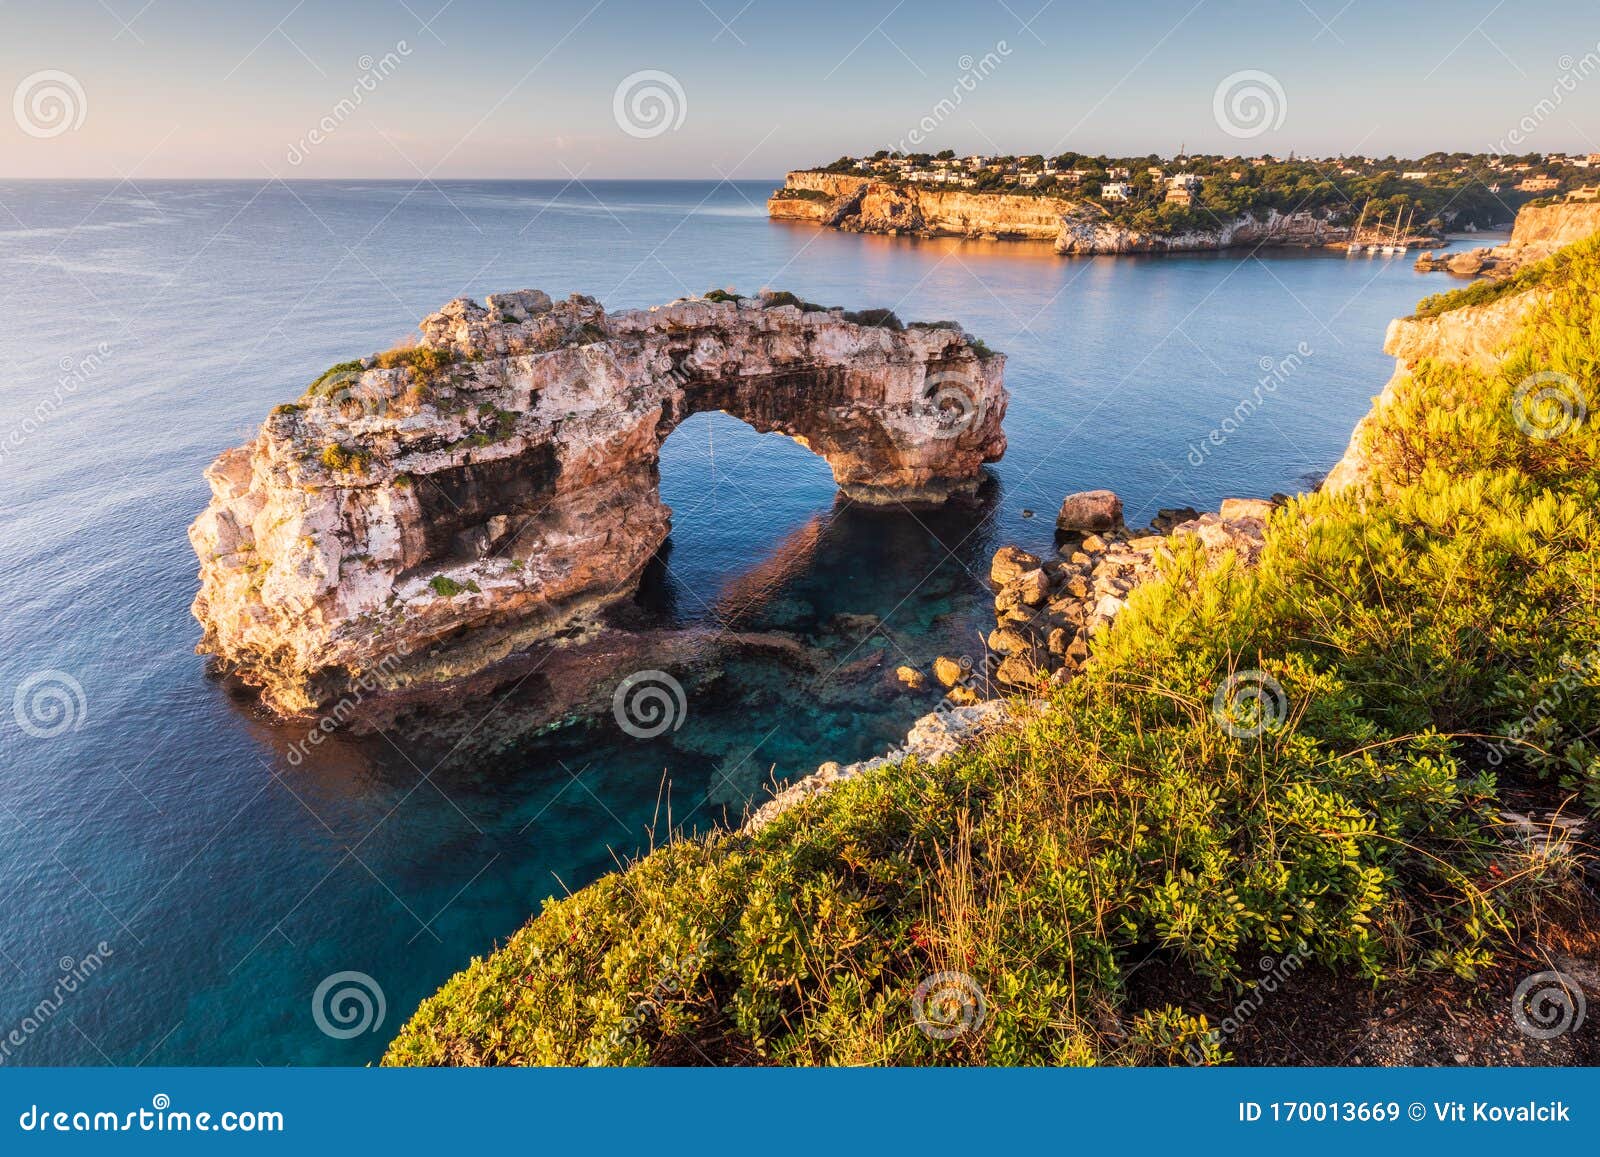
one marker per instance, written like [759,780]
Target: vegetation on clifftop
[1417,648]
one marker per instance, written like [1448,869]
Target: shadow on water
[785,663]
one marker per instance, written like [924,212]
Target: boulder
[911,677]
[1033,587]
[1017,671]
[1169,517]
[1010,563]
[948,671]
[1233,508]
[1090,511]
[1006,641]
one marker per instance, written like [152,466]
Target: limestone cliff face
[1551,227]
[1084,234]
[859,205]
[1471,336]
[429,511]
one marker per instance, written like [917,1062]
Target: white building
[1116,191]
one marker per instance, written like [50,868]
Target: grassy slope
[1459,600]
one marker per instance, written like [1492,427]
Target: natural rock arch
[423,513]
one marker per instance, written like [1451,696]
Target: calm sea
[173,890]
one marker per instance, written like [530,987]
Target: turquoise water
[164,820]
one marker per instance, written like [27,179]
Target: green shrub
[448,588]
[425,362]
[332,375]
[344,458]
[877,318]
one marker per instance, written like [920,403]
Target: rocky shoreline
[1538,232]
[1048,612]
[861,205]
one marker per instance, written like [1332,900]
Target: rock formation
[932,737]
[1048,611]
[423,513]
[860,205]
[1538,232]
[1473,335]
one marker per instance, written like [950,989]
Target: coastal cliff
[419,515]
[1473,337]
[1538,231]
[860,205]
[1551,227]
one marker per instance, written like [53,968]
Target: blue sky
[482,88]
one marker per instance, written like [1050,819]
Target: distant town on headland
[1438,191]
